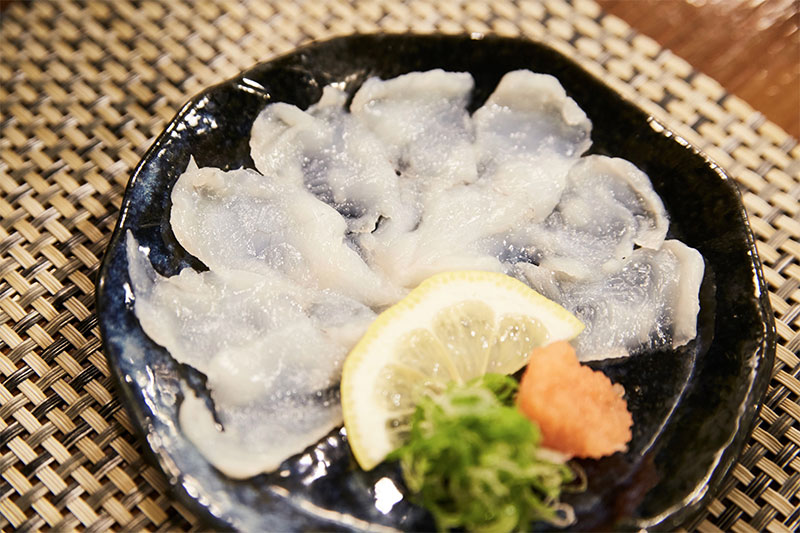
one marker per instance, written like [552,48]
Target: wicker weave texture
[86,86]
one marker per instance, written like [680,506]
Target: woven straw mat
[86,87]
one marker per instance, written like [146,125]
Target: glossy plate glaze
[692,408]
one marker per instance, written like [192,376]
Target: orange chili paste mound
[579,411]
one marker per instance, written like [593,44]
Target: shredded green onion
[472,459]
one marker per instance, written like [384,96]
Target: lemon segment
[454,326]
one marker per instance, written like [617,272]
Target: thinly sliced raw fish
[242,220]
[651,302]
[270,363]
[528,135]
[607,208]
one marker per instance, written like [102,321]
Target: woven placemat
[86,86]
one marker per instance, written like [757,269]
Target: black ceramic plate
[692,409]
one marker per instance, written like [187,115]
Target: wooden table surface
[751,47]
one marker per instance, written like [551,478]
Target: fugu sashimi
[570,252]
[686,303]
[258,438]
[528,135]
[336,158]
[279,135]
[606,195]
[463,228]
[354,173]
[182,314]
[608,206]
[267,364]
[242,220]
[646,304]
[422,119]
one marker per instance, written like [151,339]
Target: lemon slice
[454,327]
